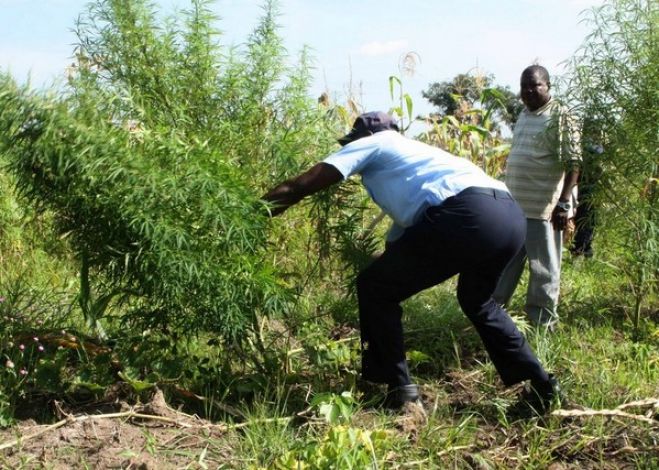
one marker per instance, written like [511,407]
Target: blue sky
[356,44]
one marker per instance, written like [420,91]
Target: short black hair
[539,69]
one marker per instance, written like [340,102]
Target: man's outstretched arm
[290,192]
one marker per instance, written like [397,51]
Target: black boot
[542,395]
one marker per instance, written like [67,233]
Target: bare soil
[153,435]
[150,436]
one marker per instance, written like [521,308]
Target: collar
[542,108]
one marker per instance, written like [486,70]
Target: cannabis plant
[615,80]
[153,158]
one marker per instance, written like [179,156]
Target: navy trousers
[473,234]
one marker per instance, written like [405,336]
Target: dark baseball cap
[367,124]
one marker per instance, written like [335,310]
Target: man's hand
[559,217]
[288,193]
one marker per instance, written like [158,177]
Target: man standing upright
[542,170]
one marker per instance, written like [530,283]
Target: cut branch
[133,414]
[617,412]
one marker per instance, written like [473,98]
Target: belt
[495,193]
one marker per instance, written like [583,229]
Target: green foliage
[17,371]
[34,263]
[463,93]
[149,165]
[403,111]
[342,447]
[153,160]
[471,111]
[615,81]
[28,361]
[329,355]
[405,105]
[478,143]
[334,408]
[182,238]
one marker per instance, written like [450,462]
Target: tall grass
[615,81]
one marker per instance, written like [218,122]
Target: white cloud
[378,48]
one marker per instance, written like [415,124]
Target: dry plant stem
[633,450]
[131,415]
[77,419]
[374,223]
[616,412]
[640,403]
[620,414]
[453,449]
[221,406]
[416,463]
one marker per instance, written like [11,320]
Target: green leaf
[417,357]
[346,410]
[91,386]
[392,81]
[137,385]
[410,105]
[397,110]
[331,412]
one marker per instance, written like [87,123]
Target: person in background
[586,216]
[447,217]
[541,171]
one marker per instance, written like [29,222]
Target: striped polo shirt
[545,143]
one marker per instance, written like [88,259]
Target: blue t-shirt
[404,176]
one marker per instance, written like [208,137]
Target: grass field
[309,413]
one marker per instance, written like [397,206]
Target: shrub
[615,80]
[153,157]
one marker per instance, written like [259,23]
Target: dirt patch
[155,436]
[151,436]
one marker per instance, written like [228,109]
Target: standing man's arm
[290,192]
[570,153]
[559,216]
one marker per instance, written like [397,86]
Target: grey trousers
[542,249]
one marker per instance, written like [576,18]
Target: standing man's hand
[559,215]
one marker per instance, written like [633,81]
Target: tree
[465,92]
[614,81]
[469,118]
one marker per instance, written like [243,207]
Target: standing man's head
[368,124]
[535,86]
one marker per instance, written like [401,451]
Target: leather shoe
[542,395]
[397,396]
